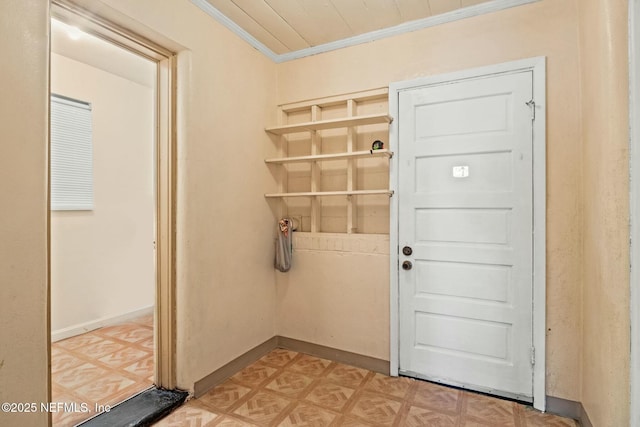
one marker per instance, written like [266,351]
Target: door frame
[165,140]
[538,68]
[634,208]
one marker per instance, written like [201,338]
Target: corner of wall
[605,178]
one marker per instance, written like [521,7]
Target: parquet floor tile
[290,389]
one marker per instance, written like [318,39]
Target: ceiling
[79,46]
[285,27]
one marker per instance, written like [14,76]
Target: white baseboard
[82,328]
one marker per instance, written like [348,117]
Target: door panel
[465,207]
[487,172]
[476,281]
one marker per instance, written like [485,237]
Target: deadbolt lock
[407,265]
[407,250]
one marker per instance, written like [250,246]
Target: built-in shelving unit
[351,121]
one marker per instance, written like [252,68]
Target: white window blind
[71,154]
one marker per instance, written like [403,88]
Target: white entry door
[465,233]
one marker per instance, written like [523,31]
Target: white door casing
[634,205]
[469,199]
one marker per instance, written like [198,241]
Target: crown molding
[406,27]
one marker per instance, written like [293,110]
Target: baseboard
[584,418]
[569,409]
[220,375]
[330,353]
[82,328]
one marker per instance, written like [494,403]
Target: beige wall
[228,95]
[102,261]
[337,293]
[604,63]
[546,28]
[225,287]
[24,313]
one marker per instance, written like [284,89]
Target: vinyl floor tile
[228,421]
[279,357]
[289,389]
[100,349]
[61,361]
[262,407]
[398,387]
[225,395]
[307,415]
[254,375]
[376,408]
[101,367]
[483,408]
[309,365]
[434,396]
[189,415]
[349,376]
[418,416]
[330,395]
[291,384]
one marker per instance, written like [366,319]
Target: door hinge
[533,355]
[532,104]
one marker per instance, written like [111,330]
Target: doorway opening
[131,154]
[102,222]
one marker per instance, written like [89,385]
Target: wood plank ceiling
[289,25]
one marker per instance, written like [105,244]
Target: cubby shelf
[331,124]
[335,156]
[332,193]
[354,116]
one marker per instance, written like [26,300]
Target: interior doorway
[102,222]
[162,181]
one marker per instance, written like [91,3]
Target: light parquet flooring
[101,367]
[285,388]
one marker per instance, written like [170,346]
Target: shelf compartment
[331,193]
[335,156]
[331,124]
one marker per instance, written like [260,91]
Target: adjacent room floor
[285,388]
[101,367]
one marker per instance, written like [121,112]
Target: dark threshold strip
[141,410]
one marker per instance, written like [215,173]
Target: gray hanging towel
[284,245]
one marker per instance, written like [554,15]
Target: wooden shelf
[356,109]
[331,124]
[332,193]
[336,156]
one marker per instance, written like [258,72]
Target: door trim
[538,68]
[165,173]
[634,206]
